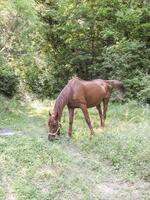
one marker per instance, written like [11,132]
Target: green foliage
[138,88]
[41,82]
[99,39]
[8,82]
[129,61]
[20,36]
[48,42]
[144,93]
[125,59]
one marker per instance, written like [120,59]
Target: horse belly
[94,97]
[74,104]
[93,102]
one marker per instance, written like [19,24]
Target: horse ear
[50,114]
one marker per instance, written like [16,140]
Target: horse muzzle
[52,136]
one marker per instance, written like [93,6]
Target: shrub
[8,82]
[144,94]
[128,61]
[40,82]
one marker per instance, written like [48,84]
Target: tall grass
[32,168]
[125,141]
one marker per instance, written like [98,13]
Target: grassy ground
[115,164]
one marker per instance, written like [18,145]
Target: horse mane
[62,100]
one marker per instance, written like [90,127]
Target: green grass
[115,164]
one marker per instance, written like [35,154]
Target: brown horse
[82,94]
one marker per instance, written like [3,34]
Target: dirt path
[103,182]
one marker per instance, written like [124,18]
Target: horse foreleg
[100,114]
[105,107]
[71,115]
[87,118]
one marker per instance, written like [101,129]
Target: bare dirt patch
[6,132]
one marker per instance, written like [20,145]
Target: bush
[144,94]
[138,88]
[8,82]
[40,82]
[129,62]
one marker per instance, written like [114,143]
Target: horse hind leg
[105,107]
[100,115]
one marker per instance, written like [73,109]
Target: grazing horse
[82,94]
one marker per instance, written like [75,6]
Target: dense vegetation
[46,42]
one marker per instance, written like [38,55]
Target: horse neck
[61,101]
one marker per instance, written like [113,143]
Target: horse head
[54,126]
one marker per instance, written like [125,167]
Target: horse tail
[117,85]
